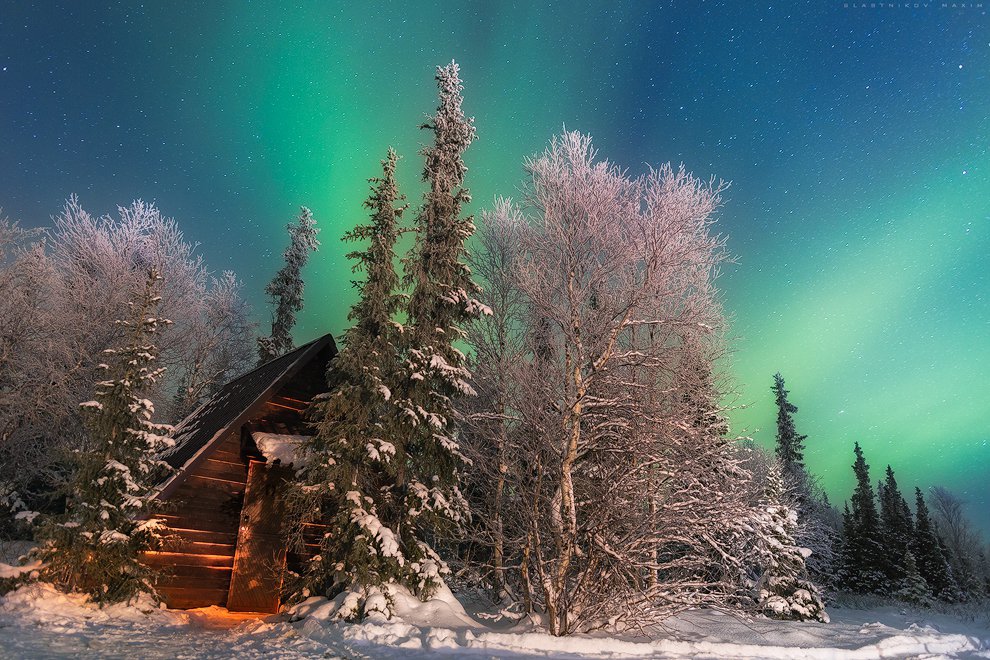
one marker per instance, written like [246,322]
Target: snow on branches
[600,467]
[94,546]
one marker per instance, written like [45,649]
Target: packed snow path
[38,622]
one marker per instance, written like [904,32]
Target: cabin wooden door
[260,555]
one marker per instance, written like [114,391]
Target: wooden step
[201,548]
[194,577]
[205,497]
[185,559]
[205,519]
[223,508]
[205,572]
[181,598]
[202,536]
[209,522]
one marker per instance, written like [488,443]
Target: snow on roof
[208,422]
[281,447]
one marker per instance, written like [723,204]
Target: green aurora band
[856,143]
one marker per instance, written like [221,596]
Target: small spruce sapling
[913,587]
[785,592]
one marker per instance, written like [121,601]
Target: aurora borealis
[855,138]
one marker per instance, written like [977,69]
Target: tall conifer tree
[816,529]
[896,524]
[790,443]
[864,569]
[286,288]
[441,302]
[94,546]
[349,477]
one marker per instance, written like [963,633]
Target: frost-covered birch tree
[32,361]
[498,344]
[285,291]
[962,542]
[94,546]
[626,496]
[220,347]
[64,288]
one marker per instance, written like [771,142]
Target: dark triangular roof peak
[232,406]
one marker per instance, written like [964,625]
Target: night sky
[855,139]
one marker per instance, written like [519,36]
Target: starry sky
[855,138]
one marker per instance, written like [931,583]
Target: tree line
[878,544]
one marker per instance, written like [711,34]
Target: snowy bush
[784,589]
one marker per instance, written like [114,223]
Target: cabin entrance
[259,558]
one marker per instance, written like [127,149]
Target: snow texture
[37,621]
[284,448]
[372,527]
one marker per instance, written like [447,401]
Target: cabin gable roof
[231,407]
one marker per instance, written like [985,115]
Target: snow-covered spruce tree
[285,291]
[349,478]
[784,589]
[913,587]
[441,302]
[929,555]
[625,498]
[94,546]
[862,544]
[897,526]
[817,528]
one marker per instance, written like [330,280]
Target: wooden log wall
[204,513]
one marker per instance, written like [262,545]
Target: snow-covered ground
[38,622]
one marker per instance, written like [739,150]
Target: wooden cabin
[221,501]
